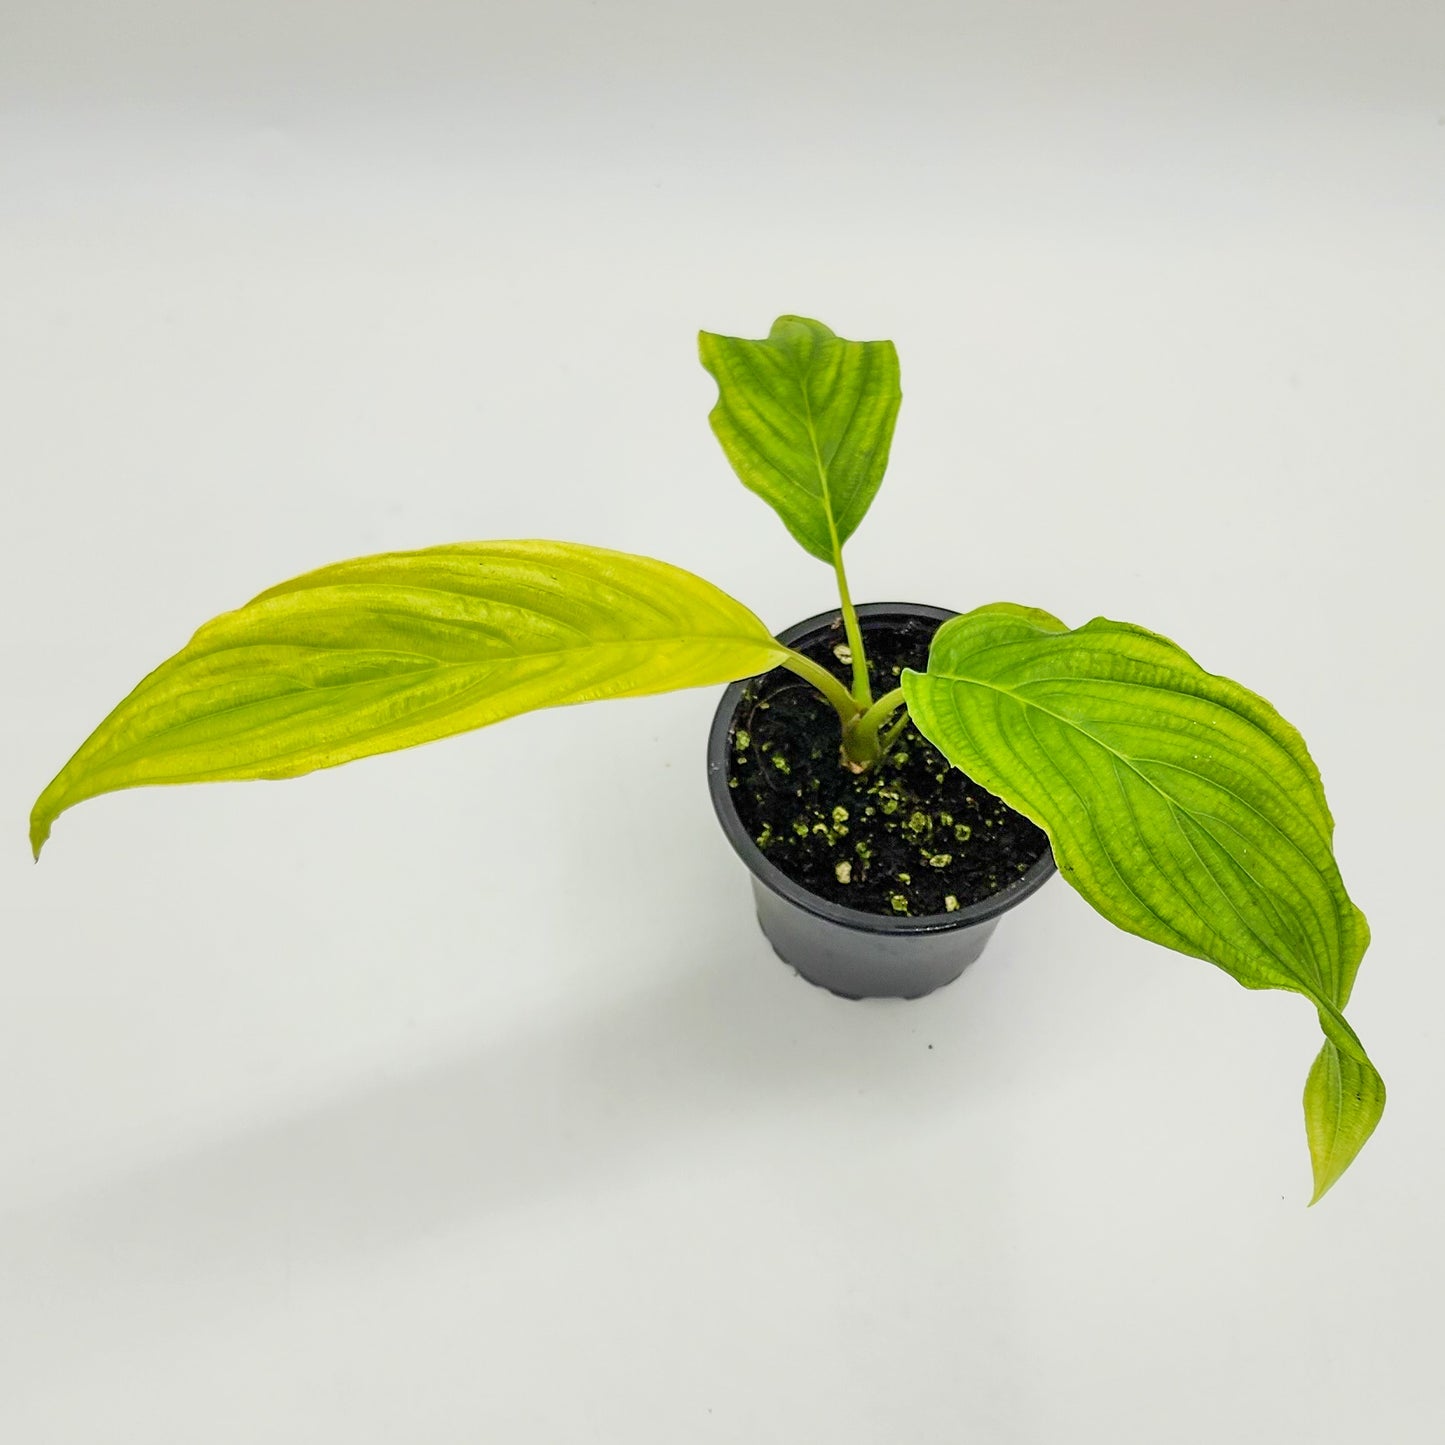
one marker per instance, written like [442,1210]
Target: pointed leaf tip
[386,652]
[1181,805]
[39,828]
[1343,1101]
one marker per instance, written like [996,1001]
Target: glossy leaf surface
[389,651]
[1180,804]
[806,419]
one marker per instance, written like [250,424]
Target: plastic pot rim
[773,877]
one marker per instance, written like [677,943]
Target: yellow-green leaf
[385,652]
[1344,1098]
[1179,804]
[806,419]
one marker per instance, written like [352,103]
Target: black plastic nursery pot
[935,891]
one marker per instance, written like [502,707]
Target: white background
[453,1095]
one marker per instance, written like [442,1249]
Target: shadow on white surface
[731,1045]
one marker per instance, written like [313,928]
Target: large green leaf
[806,419]
[385,652]
[1180,804]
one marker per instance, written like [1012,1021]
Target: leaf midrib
[1124,757]
[1173,804]
[437,663]
[825,485]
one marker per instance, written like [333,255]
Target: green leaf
[1344,1098]
[389,651]
[806,419]
[1180,804]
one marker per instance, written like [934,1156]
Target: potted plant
[895,776]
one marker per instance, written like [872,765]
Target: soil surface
[912,836]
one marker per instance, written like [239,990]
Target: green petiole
[861,745]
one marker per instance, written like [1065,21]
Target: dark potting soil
[911,836]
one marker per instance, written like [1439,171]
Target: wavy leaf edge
[395,649]
[806,419]
[1008,635]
